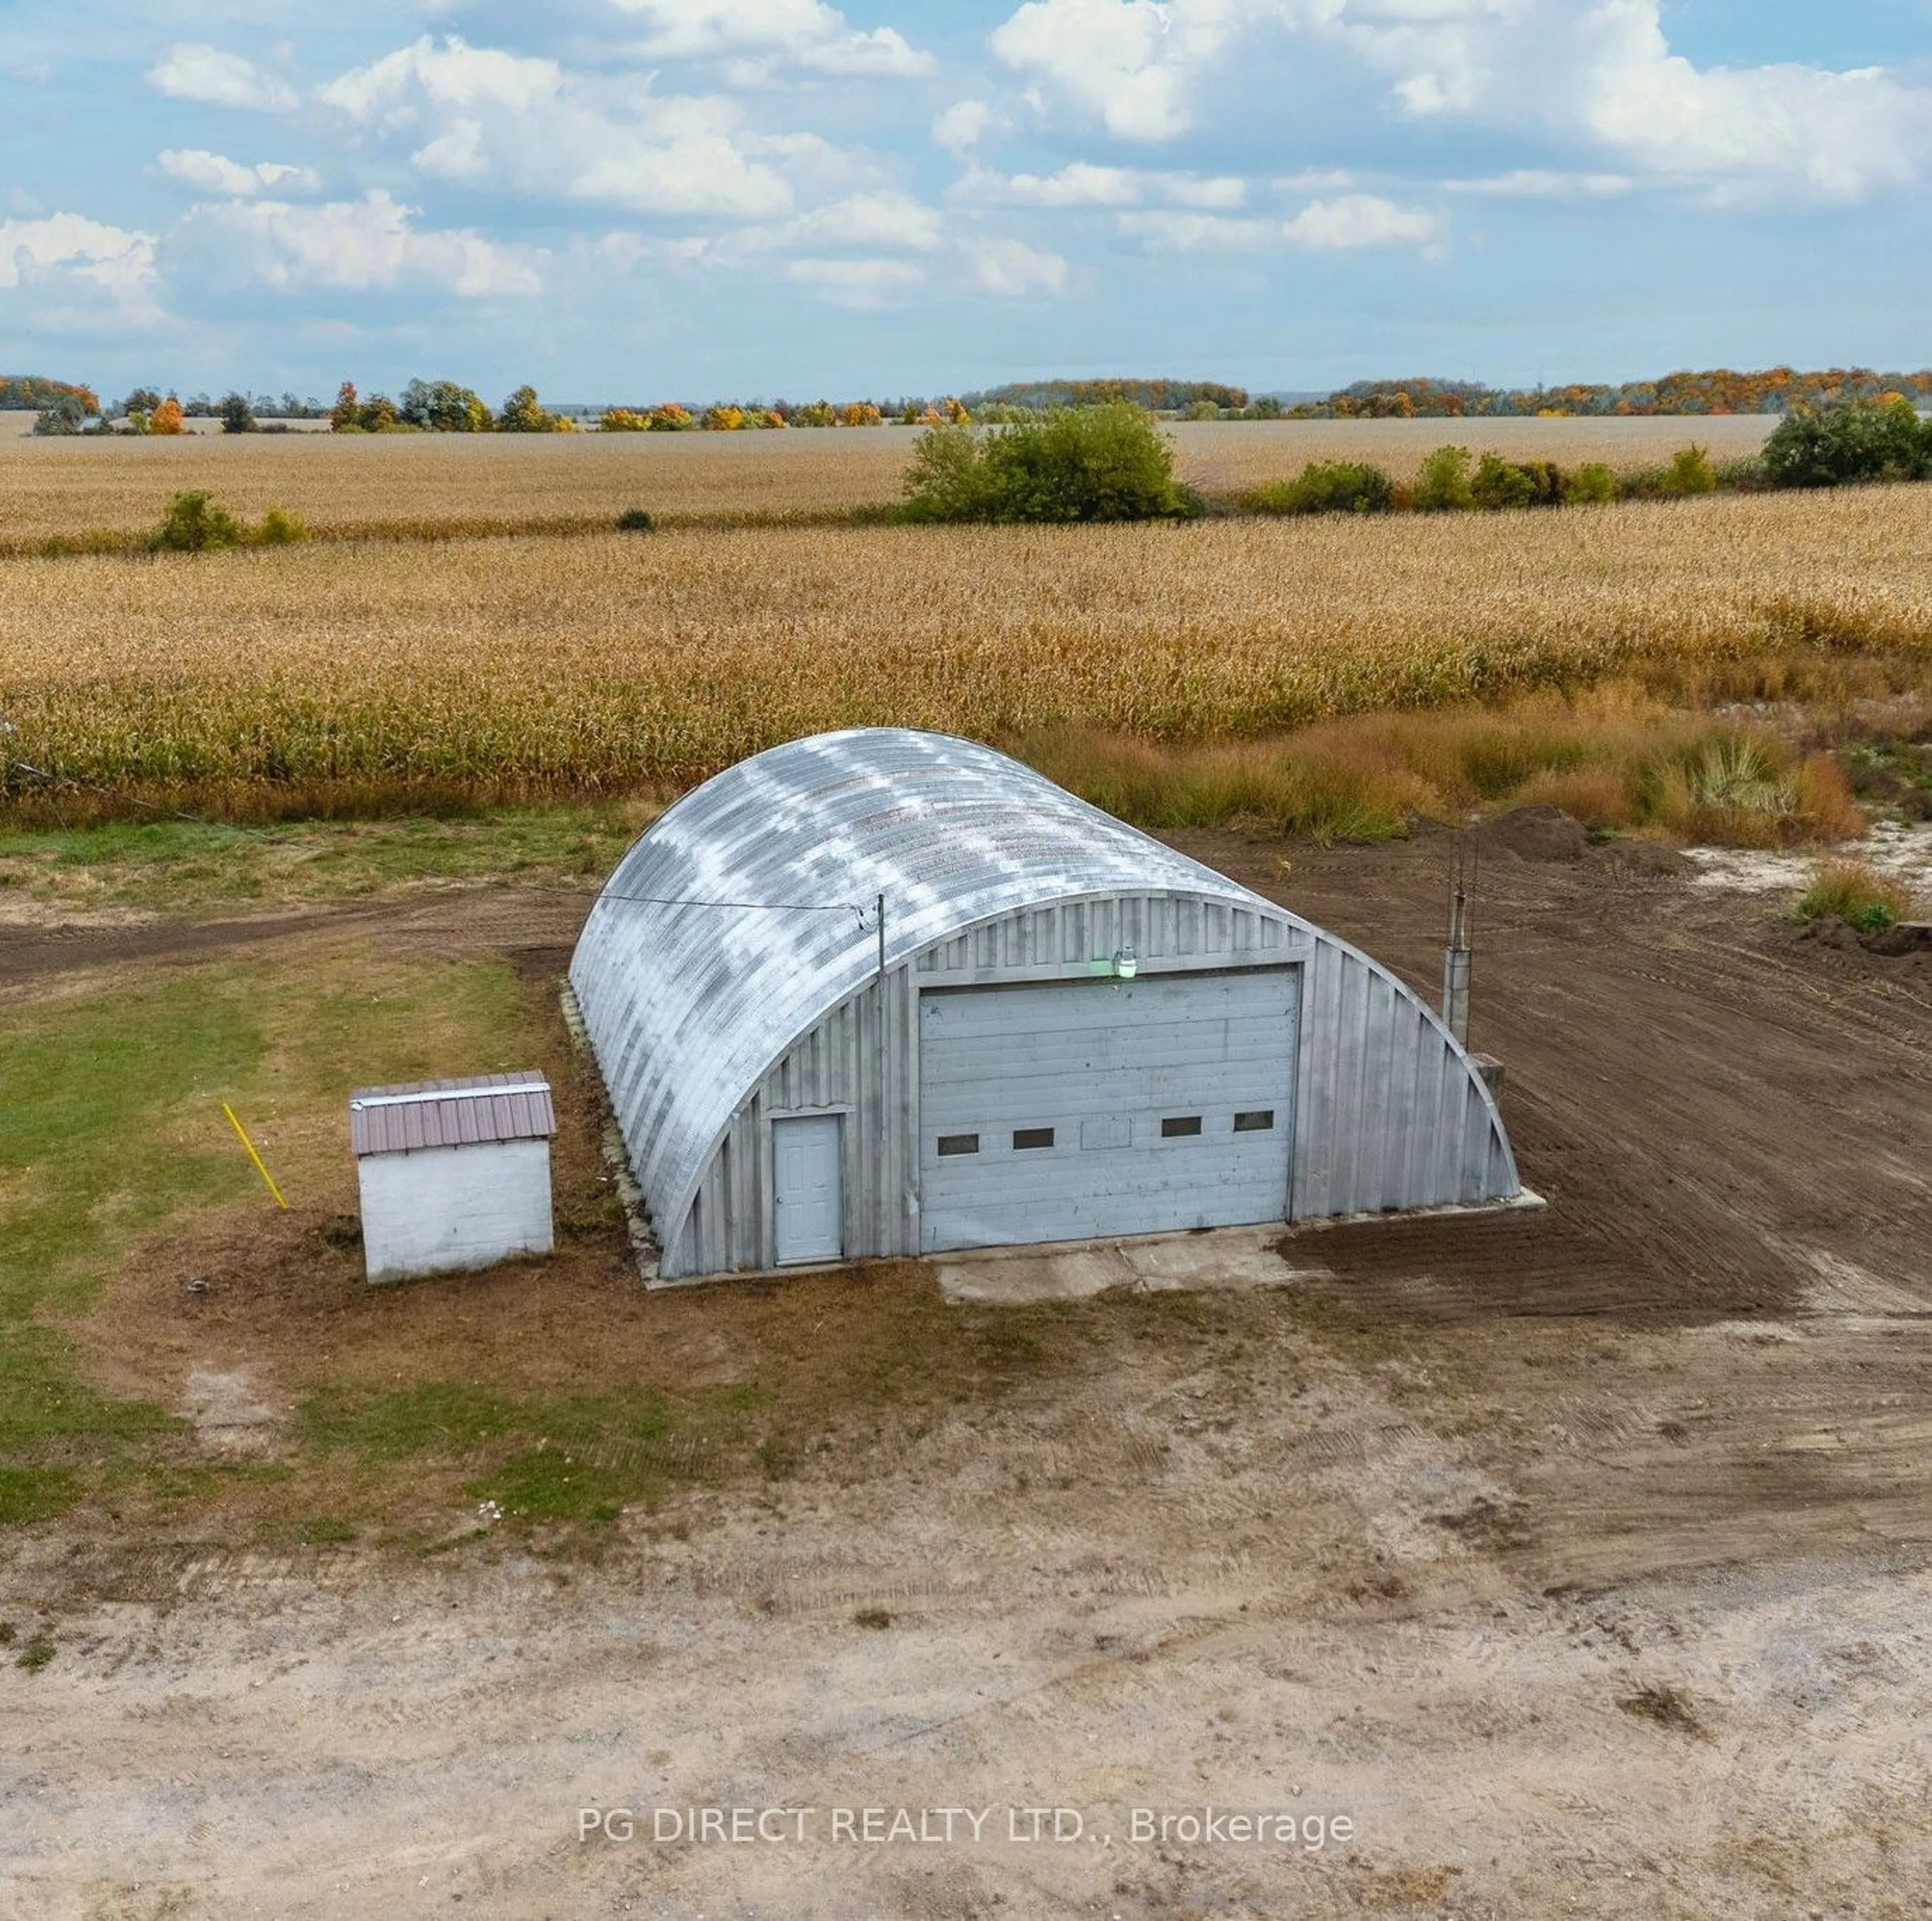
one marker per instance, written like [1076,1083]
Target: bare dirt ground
[1582,1560]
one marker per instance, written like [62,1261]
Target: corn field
[360,676]
[457,484]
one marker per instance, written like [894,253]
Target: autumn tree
[443,406]
[523,413]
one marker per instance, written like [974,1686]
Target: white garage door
[1081,1109]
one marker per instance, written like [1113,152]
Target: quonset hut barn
[1058,1029]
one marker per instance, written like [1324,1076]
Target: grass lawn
[144,1256]
[188,868]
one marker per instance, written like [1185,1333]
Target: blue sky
[638,198]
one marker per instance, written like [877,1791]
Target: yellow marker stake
[266,1176]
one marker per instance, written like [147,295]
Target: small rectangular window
[958,1143]
[1032,1137]
[1255,1121]
[1177,1125]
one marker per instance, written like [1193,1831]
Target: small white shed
[454,1174]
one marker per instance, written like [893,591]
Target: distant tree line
[21,392]
[1155,396]
[64,407]
[1716,391]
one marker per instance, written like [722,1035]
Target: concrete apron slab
[1147,1264]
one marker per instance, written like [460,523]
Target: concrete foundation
[1149,1264]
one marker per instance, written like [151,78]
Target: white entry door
[807,1208]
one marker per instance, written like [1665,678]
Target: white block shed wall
[435,1209]
[1389,1113]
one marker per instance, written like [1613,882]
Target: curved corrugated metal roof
[688,1006]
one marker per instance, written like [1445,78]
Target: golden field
[359,677]
[458,483]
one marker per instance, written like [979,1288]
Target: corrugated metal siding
[1391,1114]
[405,1118]
[709,1022]
[688,1006]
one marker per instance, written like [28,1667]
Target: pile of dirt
[1907,937]
[1538,833]
[1644,859]
[1902,952]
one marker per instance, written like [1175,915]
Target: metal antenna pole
[1456,954]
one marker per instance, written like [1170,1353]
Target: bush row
[195,523]
[1862,442]
[1452,480]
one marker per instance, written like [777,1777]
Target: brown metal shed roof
[485,1108]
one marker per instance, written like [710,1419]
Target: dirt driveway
[1581,1563]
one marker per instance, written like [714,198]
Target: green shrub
[1841,446]
[635,520]
[947,480]
[1501,485]
[194,523]
[281,528]
[1329,486]
[1108,463]
[1747,474]
[1690,472]
[1442,487]
[64,417]
[1592,484]
[1850,891]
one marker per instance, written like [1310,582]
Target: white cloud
[367,244]
[111,257]
[1603,74]
[1168,232]
[1129,62]
[214,173]
[890,219]
[1597,75]
[1532,183]
[1356,221]
[1011,270]
[800,33]
[1841,136]
[1316,180]
[216,78]
[1351,223]
[67,257]
[455,76]
[862,283]
[1082,184]
[476,112]
[1187,190]
[963,125]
